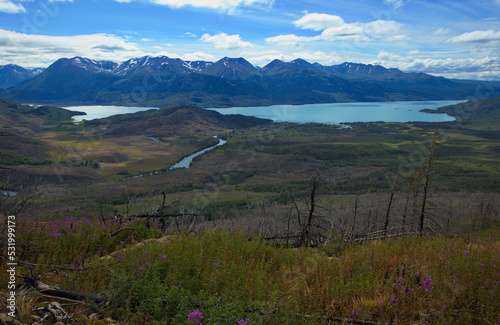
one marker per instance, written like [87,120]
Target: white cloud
[381,27]
[395,3]
[188,34]
[478,36]
[33,50]
[362,31]
[225,41]
[194,56]
[352,32]
[443,31]
[10,7]
[335,29]
[318,22]
[464,68]
[228,6]
[289,40]
[197,56]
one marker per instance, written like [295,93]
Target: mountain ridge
[163,81]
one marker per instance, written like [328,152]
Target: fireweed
[195,317]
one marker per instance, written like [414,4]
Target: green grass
[233,276]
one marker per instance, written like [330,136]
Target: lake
[96,111]
[336,113]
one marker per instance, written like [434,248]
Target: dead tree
[162,216]
[351,235]
[435,143]
[306,229]
[18,201]
[388,213]
[309,223]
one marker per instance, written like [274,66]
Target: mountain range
[163,81]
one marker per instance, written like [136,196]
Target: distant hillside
[483,113]
[174,121]
[16,149]
[49,113]
[163,81]
[26,118]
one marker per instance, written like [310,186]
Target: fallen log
[35,283]
[344,320]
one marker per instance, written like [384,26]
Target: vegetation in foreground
[265,171]
[231,278]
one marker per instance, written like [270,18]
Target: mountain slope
[231,68]
[161,66]
[351,70]
[76,79]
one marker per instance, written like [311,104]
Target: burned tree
[431,155]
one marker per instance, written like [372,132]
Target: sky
[450,38]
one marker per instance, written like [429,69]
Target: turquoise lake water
[401,111]
[336,113]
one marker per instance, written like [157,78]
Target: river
[186,162]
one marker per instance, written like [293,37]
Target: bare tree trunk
[405,211]
[355,216]
[386,224]
[430,158]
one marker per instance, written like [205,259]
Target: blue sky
[459,39]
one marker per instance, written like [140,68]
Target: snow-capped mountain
[230,68]
[12,75]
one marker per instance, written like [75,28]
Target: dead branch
[19,205]
[35,283]
[344,320]
[59,267]
[126,229]
[141,216]
[379,237]
[55,310]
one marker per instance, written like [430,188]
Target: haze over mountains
[164,81]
